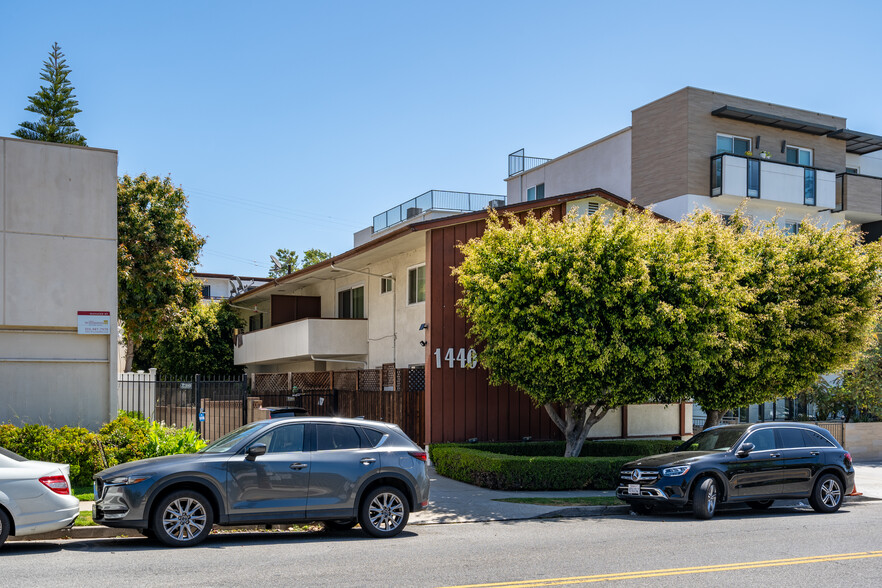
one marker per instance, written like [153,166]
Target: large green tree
[594,313]
[289,260]
[810,302]
[199,341]
[55,103]
[157,253]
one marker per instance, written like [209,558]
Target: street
[784,546]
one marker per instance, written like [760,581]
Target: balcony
[859,194]
[298,340]
[518,162]
[436,201]
[749,177]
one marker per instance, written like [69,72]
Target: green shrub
[517,472]
[75,446]
[614,448]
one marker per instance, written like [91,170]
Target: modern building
[58,285]
[225,286]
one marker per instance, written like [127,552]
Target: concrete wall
[864,441]
[57,257]
[869,164]
[602,164]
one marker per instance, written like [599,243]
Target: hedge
[539,466]
[126,438]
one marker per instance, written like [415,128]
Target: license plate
[634,489]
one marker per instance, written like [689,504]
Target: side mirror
[255,450]
[745,449]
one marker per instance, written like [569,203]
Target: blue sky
[290,124]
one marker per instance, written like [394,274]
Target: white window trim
[383,279]
[425,279]
[748,139]
[350,287]
[811,153]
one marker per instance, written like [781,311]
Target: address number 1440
[466,359]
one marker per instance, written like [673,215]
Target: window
[791,227]
[284,439]
[373,436]
[536,192]
[206,292]
[790,438]
[732,144]
[350,303]
[416,284]
[331,437]
[799,156]
[753,178]
[852,170]
[809,186]
[255,322]
[386,284]
[814,439]
[763,440]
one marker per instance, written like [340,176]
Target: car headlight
[125,480]
[675,471]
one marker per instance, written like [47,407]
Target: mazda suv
[754,464]
[342,472]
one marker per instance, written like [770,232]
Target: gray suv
[277,471]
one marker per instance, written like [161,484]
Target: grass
[573,501]
[83,492]
[85,520]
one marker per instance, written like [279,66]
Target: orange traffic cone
[854,492]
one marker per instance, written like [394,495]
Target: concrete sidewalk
[455,502]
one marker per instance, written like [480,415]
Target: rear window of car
[815,439]
[11,455]
[329,437]
[373,436]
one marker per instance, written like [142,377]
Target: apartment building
[697,148]
[391,300]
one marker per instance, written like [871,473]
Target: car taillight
[847,458]
[420,455]
[57,484]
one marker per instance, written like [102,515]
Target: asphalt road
[781,547]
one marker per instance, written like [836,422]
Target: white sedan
[34,496]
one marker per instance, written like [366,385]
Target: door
[342,460]
[801,459]
[273,486]
[759,473]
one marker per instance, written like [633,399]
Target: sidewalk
[455,502]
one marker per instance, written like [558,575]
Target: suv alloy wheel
[384,512]
[827,494]
[182,519]
[704,499]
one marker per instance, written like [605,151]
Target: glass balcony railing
[750,177]
[436,200]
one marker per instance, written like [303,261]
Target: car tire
[383,512]
[704,499]
[642,508]
[827,494]
[5,524]
[182,519]
[340,524]
[760,504]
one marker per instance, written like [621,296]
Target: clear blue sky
[290,124]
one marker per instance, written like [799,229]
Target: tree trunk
[578,420]
[130,354]
[714,418]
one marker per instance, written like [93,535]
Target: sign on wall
[93,322]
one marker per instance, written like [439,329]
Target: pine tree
[56,103]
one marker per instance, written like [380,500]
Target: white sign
[93,322]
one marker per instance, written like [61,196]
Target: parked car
[34,496]
[754,464]
[277,471]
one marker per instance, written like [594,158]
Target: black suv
[753,464]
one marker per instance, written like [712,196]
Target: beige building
[58,287]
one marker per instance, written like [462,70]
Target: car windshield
[230,439]
[13,456]
[722,439]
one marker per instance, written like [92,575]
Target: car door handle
[814,453]
[774,455]
[297,465]
[367,460]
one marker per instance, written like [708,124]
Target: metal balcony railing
[518,162]
[436,200]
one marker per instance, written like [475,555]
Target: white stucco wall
[605,163]
[759,209]
[57,257]
[869,164]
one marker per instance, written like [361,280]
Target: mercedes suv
[342,472]
[754,464]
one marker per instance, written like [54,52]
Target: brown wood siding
[659,135]
[861,193]
[461,403]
